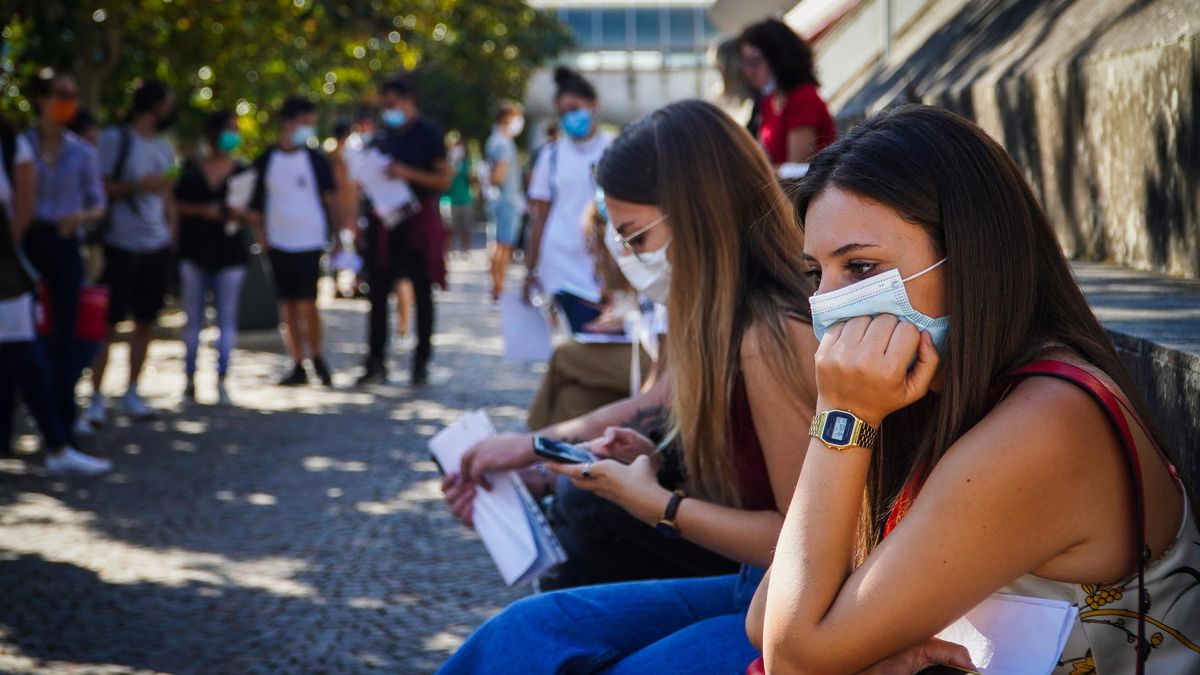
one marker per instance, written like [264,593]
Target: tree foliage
[249,55]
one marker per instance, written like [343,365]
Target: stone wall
[1097,100]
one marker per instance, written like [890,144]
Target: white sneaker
[135,407]
[95,414]
[71,462]
[223,396]
[83,427]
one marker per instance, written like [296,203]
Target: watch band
[666,525]
[850,430]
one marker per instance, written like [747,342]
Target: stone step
[1154,320]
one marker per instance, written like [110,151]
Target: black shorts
[296,274]
[137,283]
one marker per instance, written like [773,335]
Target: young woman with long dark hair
[698,221]
[777,64]
[967,389]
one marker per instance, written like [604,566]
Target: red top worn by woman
[802,107]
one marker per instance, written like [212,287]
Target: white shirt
[295,216]
[24,155]
[564,260]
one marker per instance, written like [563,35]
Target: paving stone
[298,532]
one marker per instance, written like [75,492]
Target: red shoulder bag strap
[1116,416]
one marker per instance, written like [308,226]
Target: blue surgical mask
[393,117]
[301,135]
[228,140]
[881,294]
[577,123]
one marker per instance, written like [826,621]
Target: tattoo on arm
[650,422]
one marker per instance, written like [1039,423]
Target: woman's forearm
[814,556]
[747,537]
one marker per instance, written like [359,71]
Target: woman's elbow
[789,651]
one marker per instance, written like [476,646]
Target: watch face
[838,427]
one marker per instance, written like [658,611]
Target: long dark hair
[736,258]
[1009,289]
[788,54]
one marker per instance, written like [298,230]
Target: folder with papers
[507,518]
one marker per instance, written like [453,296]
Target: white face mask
[649,273]
[516,125]
[881,294]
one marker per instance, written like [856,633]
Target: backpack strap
[1110,404]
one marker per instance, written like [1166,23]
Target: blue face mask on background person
[577,123]
[301,135]
[228,140]
[881,294]
[393,117]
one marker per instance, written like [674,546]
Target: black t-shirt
[208,243]
[419,145]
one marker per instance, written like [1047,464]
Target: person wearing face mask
[561,189]
[70,196]
[413,250]
[294,198]
[794,123]
[690,186]
[504,189]
[138,164]
[976,430]
[23,363]
[212,249]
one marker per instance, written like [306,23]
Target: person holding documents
[213,249]
[964,387]
[405,238]
[729,268]
[294,196]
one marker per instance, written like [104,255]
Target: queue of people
[147,220]
[874,419]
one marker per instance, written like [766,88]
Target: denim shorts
[508,223]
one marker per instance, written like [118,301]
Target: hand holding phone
[557,451]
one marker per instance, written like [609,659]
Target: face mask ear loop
[927,269]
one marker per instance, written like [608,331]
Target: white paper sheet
[526,330]
[1014,634]
[387,195]
[241,189]
[506,518]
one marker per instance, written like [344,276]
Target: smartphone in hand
[557,451]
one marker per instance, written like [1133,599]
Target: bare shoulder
[1043,423]
[798,333]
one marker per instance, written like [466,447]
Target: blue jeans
[22,366]
[638,627]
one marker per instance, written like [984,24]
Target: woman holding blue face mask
[561,191]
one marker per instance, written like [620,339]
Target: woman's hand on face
[634,487]
[620,443]
[863,366]
[915,659]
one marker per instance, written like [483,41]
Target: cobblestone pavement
[300,531]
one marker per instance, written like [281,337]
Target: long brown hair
[736,258]
[1010,291]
